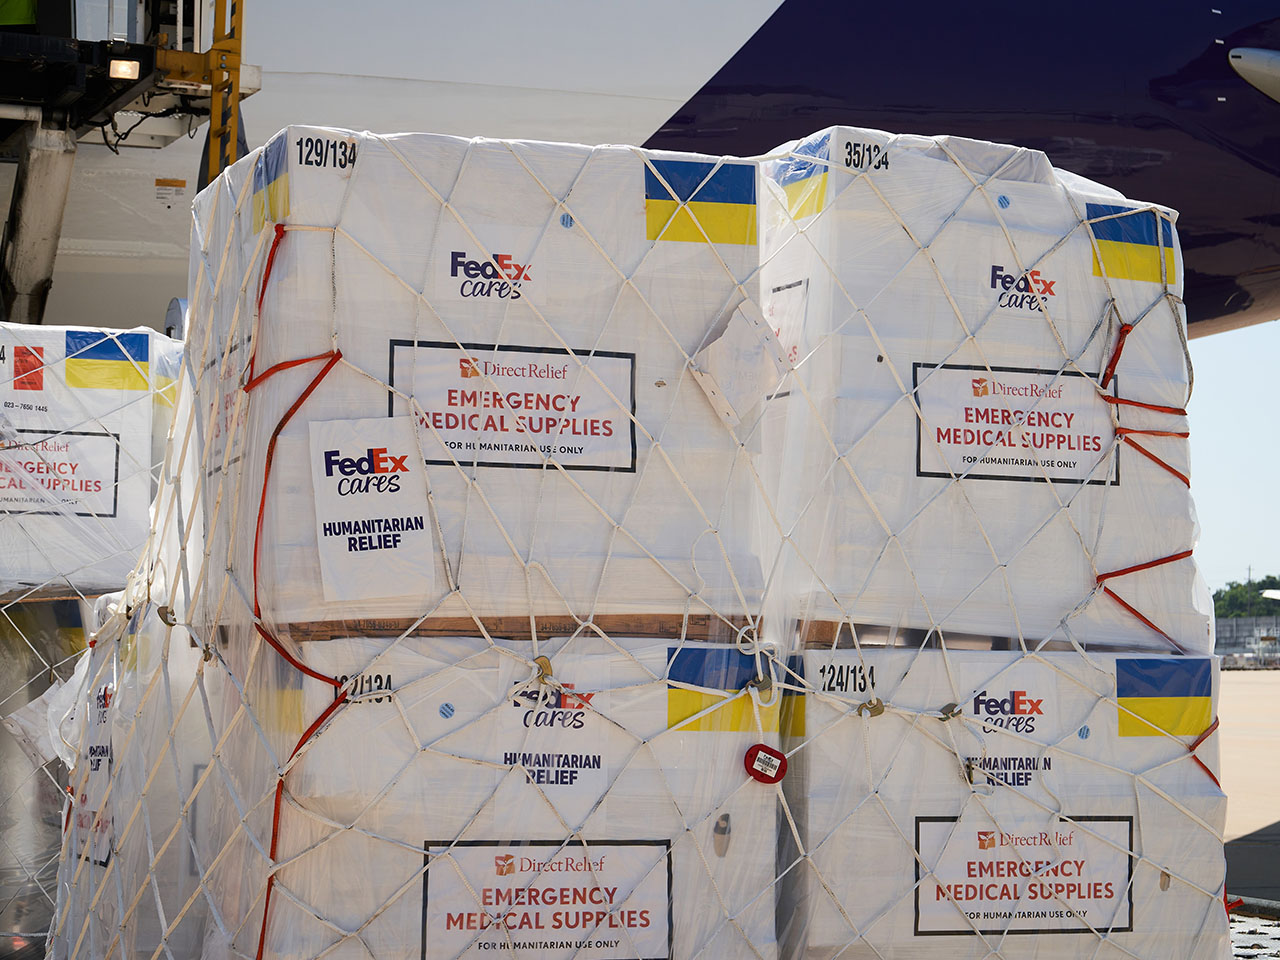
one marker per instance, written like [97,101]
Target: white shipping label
[91,806]
[371,509]
[516,406]
[72,471]
[609,900]
[1061,880]
[1006,423]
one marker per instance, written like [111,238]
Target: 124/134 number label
[846,678]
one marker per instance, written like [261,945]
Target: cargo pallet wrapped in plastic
[983,535]
[83,414]
[535,597]
[462,804]
[984,428]
[967,803]
[522,318]
[83,417]
[448,412]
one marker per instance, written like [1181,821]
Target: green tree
[1246,600]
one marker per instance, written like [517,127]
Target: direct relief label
[72,471]
[371,509]
[1010,423]
[608,900]
[1065,879]
[515,406]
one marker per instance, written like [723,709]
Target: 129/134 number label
[319,152]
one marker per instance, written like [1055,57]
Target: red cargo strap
[1192,747]
[331,359]
[1125,330]
[270,263]
[1126,402]
[1143,566]
[1103,577]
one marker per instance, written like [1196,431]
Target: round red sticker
[765,764]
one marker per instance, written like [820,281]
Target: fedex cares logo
[1016,712]
[545,707]
[498,276]
[374,472]
[1021,291]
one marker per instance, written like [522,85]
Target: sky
[1235,452]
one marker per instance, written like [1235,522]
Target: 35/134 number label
[865,156]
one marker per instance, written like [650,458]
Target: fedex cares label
[1012,423]
[371,509]
[1023,878]
[607,900]
[515,406]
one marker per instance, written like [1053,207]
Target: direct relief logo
[504,865]
[497,276]
[986,839]
[1021,292]
[468,367]
[981,388]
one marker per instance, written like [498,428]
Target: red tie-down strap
[1126,434]
[1196,743]
[1121,337]
[331,360]
[262,293]
[1137,567]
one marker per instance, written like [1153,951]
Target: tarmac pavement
[1249,741]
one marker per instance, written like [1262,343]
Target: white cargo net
[601,553]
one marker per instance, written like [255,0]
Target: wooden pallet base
[656,625]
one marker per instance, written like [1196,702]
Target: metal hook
[544,668]
[874,707]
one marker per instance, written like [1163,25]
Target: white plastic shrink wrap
[602,813]
[1025,806]
[77,406]
[532,309]
[513,588]
[984,431]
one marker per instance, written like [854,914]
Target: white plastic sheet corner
[742,366]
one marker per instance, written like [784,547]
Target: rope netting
[597,552]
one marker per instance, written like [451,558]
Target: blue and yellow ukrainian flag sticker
[722,672]
[271,183]
[804,181]
[1164,695]
[96,360]
[696,201]
[1132,243]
